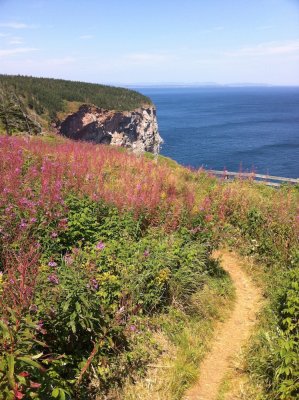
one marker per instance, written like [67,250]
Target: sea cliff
[137,129]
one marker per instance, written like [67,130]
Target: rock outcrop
[136,129]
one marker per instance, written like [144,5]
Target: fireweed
[92,240]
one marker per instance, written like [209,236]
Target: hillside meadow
[105,261]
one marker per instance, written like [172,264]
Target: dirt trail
[229,335]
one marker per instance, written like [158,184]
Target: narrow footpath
[229,335]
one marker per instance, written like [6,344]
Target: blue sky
[157,41]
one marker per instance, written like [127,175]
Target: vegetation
[100,255]
[46,98]
[13,113]
[263,225]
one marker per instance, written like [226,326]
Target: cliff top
[48,97]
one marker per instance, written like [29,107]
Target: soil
[231,334]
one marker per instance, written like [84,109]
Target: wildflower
[195,230]
[146,253]
[24,374]
[18,394]
[54,235]
[209,218]
[35,385]
[63,223]
[52,264]
[100,246]
[53,278]
[68,259]
[133,328]
[33,220]
[93,284]
[40,327]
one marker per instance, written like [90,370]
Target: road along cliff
[137,129]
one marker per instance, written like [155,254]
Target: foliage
[96,243]
[47,97]
[263,223]
[287,371]
[13,113]
[80,275]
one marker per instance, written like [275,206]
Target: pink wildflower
[100,246]
[68,259]
[52,264]
[53,278]
[133,328]
[35,385]
[146,253]
[24,374]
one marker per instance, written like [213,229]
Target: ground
[230,335]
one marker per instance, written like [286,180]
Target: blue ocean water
[248,128]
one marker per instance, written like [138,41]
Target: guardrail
[266,179]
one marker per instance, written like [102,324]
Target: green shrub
[101,275]
[287,372]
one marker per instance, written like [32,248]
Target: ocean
[233,128]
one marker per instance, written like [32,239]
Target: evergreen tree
[13,113]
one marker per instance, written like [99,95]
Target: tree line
[46,97]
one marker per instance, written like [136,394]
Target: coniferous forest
[48,96]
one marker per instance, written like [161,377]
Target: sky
[156,41]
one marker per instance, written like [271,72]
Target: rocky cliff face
[136,129]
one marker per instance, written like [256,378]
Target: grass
[184,337]
[253,372]
[167,212]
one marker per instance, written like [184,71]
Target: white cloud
[266,49]
[17,50]
[4,34]
[86,37]
[15,25]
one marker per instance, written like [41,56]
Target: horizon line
[167,84]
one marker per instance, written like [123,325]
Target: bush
[287,371]
[95,281]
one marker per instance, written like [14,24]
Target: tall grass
[59,197]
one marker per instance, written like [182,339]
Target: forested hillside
[45,97]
